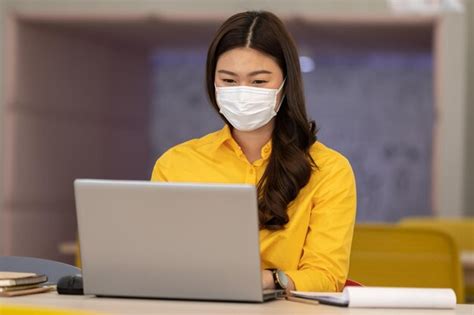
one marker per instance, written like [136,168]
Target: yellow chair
[77,256]
[461,230]
[389,255]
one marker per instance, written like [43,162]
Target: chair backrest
[53,269]
[395,256]
[460,229]
[352,283]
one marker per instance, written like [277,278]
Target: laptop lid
[169,240]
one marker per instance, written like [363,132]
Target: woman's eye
[259,81]
[230,81]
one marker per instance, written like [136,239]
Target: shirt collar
[224,136]
[266,150]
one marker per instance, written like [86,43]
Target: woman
[306,191]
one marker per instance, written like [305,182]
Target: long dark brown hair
[290,166]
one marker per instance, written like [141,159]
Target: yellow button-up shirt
[314,247]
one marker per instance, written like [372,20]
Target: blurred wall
[470,108]
[74,108]
[2,102]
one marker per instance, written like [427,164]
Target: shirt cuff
[311,280]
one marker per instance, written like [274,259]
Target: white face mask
[248,108]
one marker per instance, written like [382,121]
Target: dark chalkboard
[374,107]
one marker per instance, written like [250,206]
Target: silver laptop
[170,240]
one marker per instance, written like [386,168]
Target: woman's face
[249,67]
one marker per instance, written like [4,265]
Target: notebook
[33,290]
[10,279]
[20,287]
[385,297]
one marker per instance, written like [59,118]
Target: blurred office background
[100,89]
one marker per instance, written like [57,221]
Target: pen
[301,300]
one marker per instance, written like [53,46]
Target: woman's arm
[324,264]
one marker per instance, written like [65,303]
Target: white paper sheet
[385,297]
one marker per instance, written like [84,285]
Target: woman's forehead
[245,60]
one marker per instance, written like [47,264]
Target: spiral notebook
[385,297]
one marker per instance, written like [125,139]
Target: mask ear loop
[277,108]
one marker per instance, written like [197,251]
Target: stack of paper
[22,283]
[384,297]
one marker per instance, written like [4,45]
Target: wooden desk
[143,306]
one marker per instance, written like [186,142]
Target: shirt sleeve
[160,169]
[324,263]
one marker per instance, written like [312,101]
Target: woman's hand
[267,281]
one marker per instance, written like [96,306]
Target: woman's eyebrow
[253,73]
[227,72]
[259,72]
